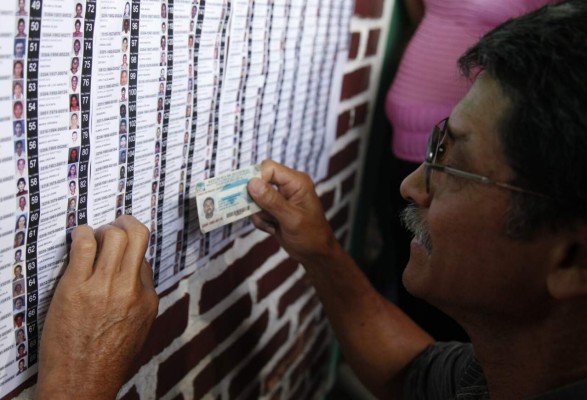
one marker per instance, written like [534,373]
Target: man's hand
[100,314]
[292,212]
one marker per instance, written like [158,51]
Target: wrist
[67,384]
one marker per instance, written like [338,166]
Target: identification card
[225,199]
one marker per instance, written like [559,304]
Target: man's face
[18,129]
[208,208]
[72,187]
[74,83]
[76,46]
[78,10]
[472,267]
[20,165]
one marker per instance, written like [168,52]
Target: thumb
[269,199]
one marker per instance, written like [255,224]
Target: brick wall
[248,325]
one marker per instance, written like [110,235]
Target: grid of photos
[123,110]
[22,190]
[189,114]
[73,155]
[158,132]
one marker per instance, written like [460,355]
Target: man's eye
[441,152]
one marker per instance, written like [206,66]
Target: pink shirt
[428,85]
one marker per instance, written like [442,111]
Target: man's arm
[100,314]
[378,340]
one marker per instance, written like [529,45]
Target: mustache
[413,220]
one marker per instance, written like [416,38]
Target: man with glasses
[498,211]
[499,216]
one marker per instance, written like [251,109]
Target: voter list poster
[111,107]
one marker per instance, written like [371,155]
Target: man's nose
[413,187]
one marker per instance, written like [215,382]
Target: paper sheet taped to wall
[113,107]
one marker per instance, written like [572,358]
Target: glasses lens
[436,137]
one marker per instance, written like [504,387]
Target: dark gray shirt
[450,371]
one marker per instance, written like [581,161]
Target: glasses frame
[440,131]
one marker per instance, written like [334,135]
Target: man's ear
[567,275]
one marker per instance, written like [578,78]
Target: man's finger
[269,199]
[263,224]
[138,240]
[112,243]
[286,178]
[147,275]
[81,255]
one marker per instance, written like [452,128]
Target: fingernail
[256,186]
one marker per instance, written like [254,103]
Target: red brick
[132,394]
[217,289]
[361,114]
[224,363]
[355,82]
[343,158]
[343,124]
[354,45]
[250,372]
[310,356]
[307,309]
[327,200]
[188,356]
[340,218]
[166,328]
[274,278]
[292,295]
[348,184]
[275,375]
[373,42]
[348,120]
[369,8]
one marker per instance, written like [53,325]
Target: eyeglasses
[436,152]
